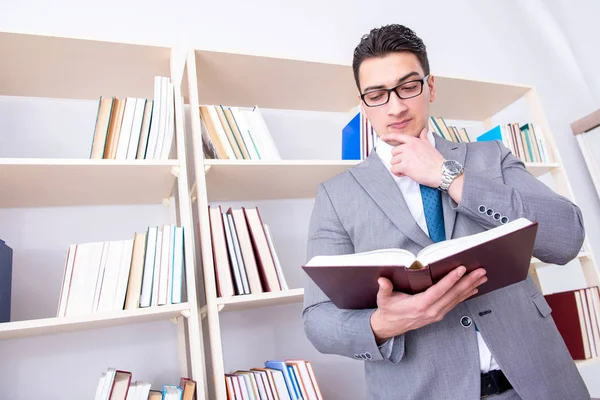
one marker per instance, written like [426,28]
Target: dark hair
[389,39]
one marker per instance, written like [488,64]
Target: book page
[386,257]
[440,250]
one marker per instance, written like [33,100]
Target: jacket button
[489,212]
[357,356]
[497,216]
[504,220]
[482,209]
[466,321]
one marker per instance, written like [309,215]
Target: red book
[350,280]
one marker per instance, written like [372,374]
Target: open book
[350,280]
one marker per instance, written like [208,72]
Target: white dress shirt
[412,195]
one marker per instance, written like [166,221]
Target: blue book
[6,256]
[493,134]
[282,366]
[351,139]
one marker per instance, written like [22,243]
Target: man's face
[407,116]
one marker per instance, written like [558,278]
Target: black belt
[494,382]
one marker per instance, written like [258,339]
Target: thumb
[423,135]
[385,288]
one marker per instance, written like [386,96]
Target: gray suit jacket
[362,209]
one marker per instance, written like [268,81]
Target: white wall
[521,42]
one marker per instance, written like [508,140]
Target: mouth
[400,124]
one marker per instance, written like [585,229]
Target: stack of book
[279,379]
[145,271]
[135,128]
[116,384]
[236,134]
[244,256]
[527,142]
[448,132]
[576,314]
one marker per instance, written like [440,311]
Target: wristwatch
[450,170]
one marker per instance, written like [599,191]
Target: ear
[431,84]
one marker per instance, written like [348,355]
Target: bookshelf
[245,80]
[81,71]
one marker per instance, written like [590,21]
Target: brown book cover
[350,280]
[566,318]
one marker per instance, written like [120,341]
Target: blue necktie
[432,206]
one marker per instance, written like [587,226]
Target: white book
[163,280]
[237,277]
[123,277]
[157,267]
[238,254]
[167,145]
[243,127]
[164,117]
[91,282]
[178,266]
[80,271]
[100,387]
[156,119]
[280,275]
[66,282]
[103,262]
[257,134]
[111,276]
[148,276]
[125,133]
[136,128]
[266,136]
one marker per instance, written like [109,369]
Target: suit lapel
[450,151]
[373,176]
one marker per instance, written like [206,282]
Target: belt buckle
[493,379]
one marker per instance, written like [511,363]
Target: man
[417,189]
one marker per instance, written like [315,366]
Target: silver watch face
[453,167]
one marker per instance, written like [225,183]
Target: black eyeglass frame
[394,89]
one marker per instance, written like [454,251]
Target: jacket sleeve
[332,330]
[492,201]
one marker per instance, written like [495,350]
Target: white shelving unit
[72,69]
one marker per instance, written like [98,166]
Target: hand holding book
[399,312]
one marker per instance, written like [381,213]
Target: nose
[396,105]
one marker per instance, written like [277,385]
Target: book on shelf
[448,132]
[116,384]
[576,314]
[136,128]
[291,379]
[526,142]
[350,280]
[359,137]
[244,255]
[236,133]
[6,260]
[145,271]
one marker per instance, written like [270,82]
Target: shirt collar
[384,150]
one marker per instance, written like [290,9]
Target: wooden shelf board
[537,169]
[69,182]
[249,301]
[290,84]
[59,67]
[230,180]
[48,326]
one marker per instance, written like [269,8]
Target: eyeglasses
[405,90]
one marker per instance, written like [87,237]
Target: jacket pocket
[542,305]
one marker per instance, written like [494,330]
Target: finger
[385,288]
[464,286]
[396,159]
[398,150]
[423,135]
[435,292]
